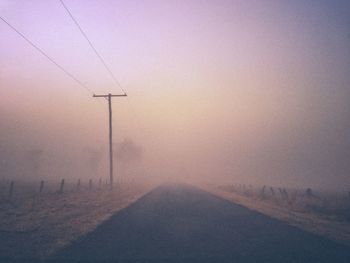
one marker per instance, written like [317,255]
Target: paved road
[179,223]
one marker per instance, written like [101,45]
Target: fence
[15,190]
[323,202]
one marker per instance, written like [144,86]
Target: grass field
[34,226]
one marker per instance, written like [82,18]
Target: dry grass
[33,226]
[322,213]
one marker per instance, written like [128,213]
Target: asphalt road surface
[180,223]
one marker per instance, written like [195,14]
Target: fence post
[263,192]
[281,192]
[285,194]
[62,186]
[78,184]
[41,188]
[12,185]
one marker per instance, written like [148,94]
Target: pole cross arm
[110,95]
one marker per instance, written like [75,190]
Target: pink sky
[235,89]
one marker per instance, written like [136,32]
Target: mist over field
[252,92]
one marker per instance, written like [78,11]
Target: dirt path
[179,223]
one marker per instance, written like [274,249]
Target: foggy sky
[235,91]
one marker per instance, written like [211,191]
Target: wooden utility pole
[109,97]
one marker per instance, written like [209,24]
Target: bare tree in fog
[94,158]
[128,153]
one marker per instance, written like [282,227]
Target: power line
[93,48]
[100,58]
[47,56]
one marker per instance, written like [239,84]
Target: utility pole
[109,97]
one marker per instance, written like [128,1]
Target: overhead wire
[116,82]
[47,56]
[93,47]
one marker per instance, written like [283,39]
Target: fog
[218,91]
